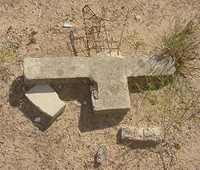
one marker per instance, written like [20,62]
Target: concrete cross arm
[108,74]
[149,66]
[56,68]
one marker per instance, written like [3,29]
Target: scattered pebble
[138,18]
[37,119]
[101,155]
[67,24]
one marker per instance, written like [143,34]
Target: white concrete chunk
[46,100]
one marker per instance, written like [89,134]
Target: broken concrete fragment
[46,100]
[101,154]
[144,134]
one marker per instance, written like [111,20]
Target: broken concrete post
[110,75]
[46,100]
[143,134]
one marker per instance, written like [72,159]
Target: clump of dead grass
[182,44]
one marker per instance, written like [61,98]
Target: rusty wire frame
[94,37]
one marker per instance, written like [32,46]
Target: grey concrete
[109,73]
[46,100]
[145,134]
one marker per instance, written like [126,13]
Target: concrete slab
[108,74]
[46,100]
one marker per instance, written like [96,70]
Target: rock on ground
[101,155]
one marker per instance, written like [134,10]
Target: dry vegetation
[182,44]
[178,102]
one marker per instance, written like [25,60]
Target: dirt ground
[35,28]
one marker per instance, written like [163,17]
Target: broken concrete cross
[108,74]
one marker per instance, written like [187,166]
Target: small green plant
[182,44]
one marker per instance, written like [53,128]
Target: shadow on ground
[88,121]
[17,99]
[79,91]
[139,84]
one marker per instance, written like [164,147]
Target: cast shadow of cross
[79,90]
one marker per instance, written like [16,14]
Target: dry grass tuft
[182,44]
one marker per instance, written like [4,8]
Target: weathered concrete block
[109,73]
[46,100]
[144,134]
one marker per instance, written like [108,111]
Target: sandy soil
[36,27]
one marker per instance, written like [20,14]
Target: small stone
[67,24]
[46,100]
[101,155]
[37,119]
[138,18]
[144,134]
